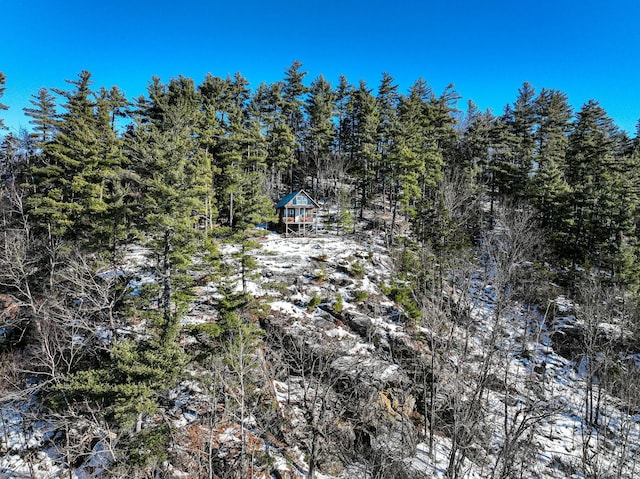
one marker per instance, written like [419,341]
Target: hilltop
[467,305]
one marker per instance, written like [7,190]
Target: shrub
[212,329]
[321,274]
[275,286]
[360,296]
[338,306]
[401,294]
[357,270]
[313,302]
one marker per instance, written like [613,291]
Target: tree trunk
[166,284]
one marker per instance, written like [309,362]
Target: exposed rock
[359,323]
[12,323]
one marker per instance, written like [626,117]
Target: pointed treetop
[3,79]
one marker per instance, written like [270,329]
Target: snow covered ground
[545,394]
[534,402]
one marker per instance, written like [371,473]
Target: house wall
[300,215]
[299,210]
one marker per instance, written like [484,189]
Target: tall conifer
[364,143]
[43,114]
[3,80]
[550,190]
[320,132]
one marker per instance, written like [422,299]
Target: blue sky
[487,49]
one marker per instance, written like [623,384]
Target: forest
[117,212]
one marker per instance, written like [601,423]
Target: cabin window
[291,213]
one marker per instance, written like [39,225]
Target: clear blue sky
[586,48]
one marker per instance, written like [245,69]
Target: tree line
[97,163]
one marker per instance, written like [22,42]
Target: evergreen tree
[8,160]
[78,172]
[472,156]
[407,160]
[118,104]
[113,225]
[43,114]
[293,94]
[241,158]
[387,107]
[126,385]
[69,177]
[253,206]
[281,147]
[364,142]
[440,139]
[472,161]
[213,103]
[635,145]
[243,168]
[594,173]
[550,190]
[320,132]
[342,94]
[505,176]
[267,105]
[417,154]
[443,114]
[162,152]
[624,247]
[514,146]
[3,80]
[523,126]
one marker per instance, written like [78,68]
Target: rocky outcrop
[12,323]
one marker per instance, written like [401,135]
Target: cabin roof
[287,199]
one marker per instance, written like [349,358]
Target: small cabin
[297,213]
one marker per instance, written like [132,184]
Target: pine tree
[126,385]
[293,95]
[267,106]
[514,146]
[320,133]
[43,116]
[78,173]
[3,80]
[8,160]
[281,147]
[293,92]
[342,94]
[472,157]
[505,176]
[113,225]
[594,173]
[364,142]
[387,107]
[471,164]
[523,126]
[253,206]
[241,158]
[162,152]
[443,114]
[118,104]
[213,99]
[440,138]
[68,180]
[407,160]
[550,190]
[424,122]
